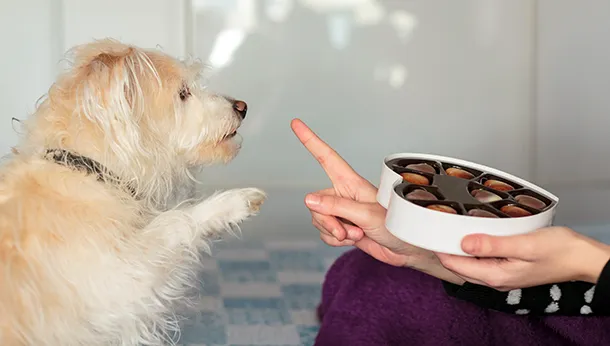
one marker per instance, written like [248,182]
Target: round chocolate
[421,194]
[485,196]
[414,178]
[514,211]
[459,173]
[442,208]
[482,213]
[498,185]
[530,201]
[422,167]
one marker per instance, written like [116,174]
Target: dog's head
[137,110]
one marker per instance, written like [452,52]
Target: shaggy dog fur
[90,259]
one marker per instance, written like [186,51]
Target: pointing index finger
[333,164]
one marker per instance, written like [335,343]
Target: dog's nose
[241,108]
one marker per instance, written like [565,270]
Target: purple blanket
[366,302]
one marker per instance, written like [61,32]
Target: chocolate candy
[530,201]
[482,213]
[421,194]
[467,190]
[498,185]
[459,173]
[485,196]
[514,211]
[414,178]
[442,208]
[422,167]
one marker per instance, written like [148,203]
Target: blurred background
[521,85]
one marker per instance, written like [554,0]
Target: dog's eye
[185,92]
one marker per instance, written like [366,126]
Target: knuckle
[330,241]
[330,201]
[315,217]
[321,159]
[325,222]
[320,229]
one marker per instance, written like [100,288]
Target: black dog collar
[84,164]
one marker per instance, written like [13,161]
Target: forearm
[565,299]
[588,292]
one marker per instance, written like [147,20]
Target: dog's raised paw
[255,198]
[231,206]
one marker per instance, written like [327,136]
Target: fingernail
[312,200]
[471,244]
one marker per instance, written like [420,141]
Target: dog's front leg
[171,247]
[225,210]
[217,214]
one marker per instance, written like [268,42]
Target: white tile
[304,317]
[210,304]
[241,254]
[250,290]
[262,335]
[300,277]
[328,262]
[291,245]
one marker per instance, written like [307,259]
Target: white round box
[443,232]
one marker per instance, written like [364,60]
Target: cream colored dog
[92,250]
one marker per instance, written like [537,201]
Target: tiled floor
[263,291]
[260,292]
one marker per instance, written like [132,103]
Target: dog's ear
[112,80]
[111,94]
[118,73]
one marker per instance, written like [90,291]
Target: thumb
[482,245]
[356,212]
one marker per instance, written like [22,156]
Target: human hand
[548,255]
[348,213]
[345,183]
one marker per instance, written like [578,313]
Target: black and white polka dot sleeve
[567,299]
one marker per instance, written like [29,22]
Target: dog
[95,246]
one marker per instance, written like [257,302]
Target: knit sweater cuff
[601,299]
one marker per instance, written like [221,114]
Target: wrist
[595,256]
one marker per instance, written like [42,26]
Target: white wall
[573,107]
[372,77]
[28,60]
[435,76]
